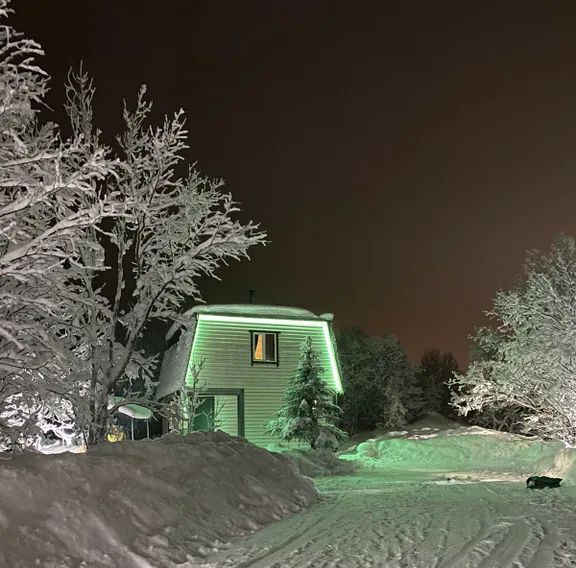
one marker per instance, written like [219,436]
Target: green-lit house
[248,351]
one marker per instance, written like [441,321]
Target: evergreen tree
[308,413]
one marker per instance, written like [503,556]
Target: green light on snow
[286,322]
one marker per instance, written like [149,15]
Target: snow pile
[315,463]
[142,504]
[438,445]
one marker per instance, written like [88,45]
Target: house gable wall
[224,346]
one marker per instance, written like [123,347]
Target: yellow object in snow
[116,435]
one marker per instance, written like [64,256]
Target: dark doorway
[204,417]
[238,394]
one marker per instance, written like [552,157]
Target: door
[204,416]
[228,410]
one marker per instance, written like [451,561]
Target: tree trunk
[98,424]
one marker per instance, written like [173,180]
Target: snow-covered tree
[49,202]
[185,407]
[525,376]
[435,371]
[71,329]
[175,229]
[360,407]
[379,381]
[308,412]
[401,398]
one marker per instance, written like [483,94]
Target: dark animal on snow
[541,481]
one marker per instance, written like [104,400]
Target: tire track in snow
[300,544]
[457,560]
[265,555]
[508,550]
[544,555]
[419,525]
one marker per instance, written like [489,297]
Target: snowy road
[369,521]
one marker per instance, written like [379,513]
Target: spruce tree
[308,412]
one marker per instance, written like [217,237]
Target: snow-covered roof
[133,410]
[249,310]
[254,310]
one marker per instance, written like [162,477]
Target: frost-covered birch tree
[175,230]
[49,201]
[93,248]
[525,376]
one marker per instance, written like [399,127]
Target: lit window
[264,347]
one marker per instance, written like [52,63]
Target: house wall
[225,348]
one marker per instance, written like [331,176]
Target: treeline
[383,388]
[522,372]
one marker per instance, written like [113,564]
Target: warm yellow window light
[258,347]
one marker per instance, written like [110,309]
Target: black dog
[541,481]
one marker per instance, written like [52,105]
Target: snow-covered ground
[372,520]
[141,504]
[437,495]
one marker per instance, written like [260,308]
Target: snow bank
[438,445]
[142,504]
[315,463]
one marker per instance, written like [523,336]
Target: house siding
[225,349]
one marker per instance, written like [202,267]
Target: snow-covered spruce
[307,413]
[142,504]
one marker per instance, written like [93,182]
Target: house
[247,351]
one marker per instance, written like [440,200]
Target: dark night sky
[402,156]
